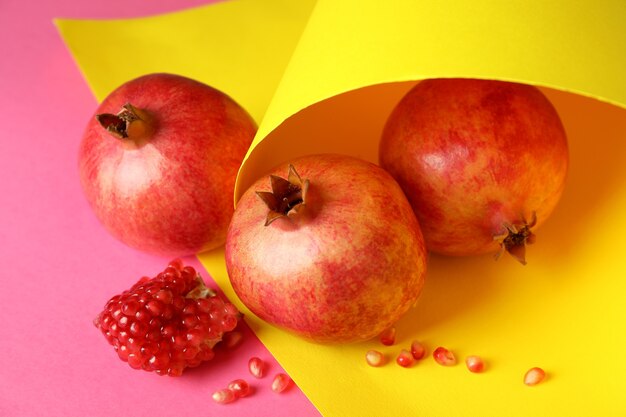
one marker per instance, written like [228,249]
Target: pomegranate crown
[131,124]
[516,237]
[288,196]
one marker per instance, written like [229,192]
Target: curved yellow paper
[239,47]
[570,45]
[564,311]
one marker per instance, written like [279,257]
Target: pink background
[59,267]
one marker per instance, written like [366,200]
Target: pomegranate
[482,162]
[168,323]
[333,253]
[158,163]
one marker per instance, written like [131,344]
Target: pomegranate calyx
[288,196]
[129,123]
[515,239]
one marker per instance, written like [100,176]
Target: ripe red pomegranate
[333,253]
[158,163]
[167,323]
[483,163]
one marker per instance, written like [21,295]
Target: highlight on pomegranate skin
[167,323]
[328,248]
[482,162]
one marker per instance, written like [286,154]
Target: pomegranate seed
[444,357]
[224,396]
[375,358]
[534,376]
[280,382]
[176,264]
[405,358]
[475,363]
[239,387]
[417,350]
[232,339]
[388,336]
[256,367]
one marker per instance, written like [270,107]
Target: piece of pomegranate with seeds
[158,163]
[332,253]
[167,323]
[482,162]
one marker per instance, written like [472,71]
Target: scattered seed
[405,358]
[417,350]
[224,396]
[444,357]
[388,336]
[280,382]
[239,387]
[375,358]
[256,366]
[475,363]
[232,339]
[534,376]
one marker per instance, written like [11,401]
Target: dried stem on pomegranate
[288,196]
[515,239]
[129,123]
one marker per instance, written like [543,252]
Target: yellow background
[323,77]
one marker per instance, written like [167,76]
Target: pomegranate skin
[170,191]
[473,156]
[341,270]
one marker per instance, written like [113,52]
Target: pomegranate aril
[206,353]
[229,323]
[171,272]
[388,336]
[122,352]
[475,363]
[534,376]
[230,309]
[232,339]
[224,396]
[190,352]
[190,309]
[213,332]
[122,323]
[195,337]
[134,360]
[190,321]
[405,359]
[137,328]
[256,366]
[444,357]
[239,387]
[374,358]
[159,360]
[280,382]
[188,272]
[117,313]
[176,264]
[175,371]
[131,307]
[417,350]
[155,307]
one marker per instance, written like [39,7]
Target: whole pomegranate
[332,253]
[158,163]
[482,162]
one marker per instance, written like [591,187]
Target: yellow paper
[564,311]
[239,47]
